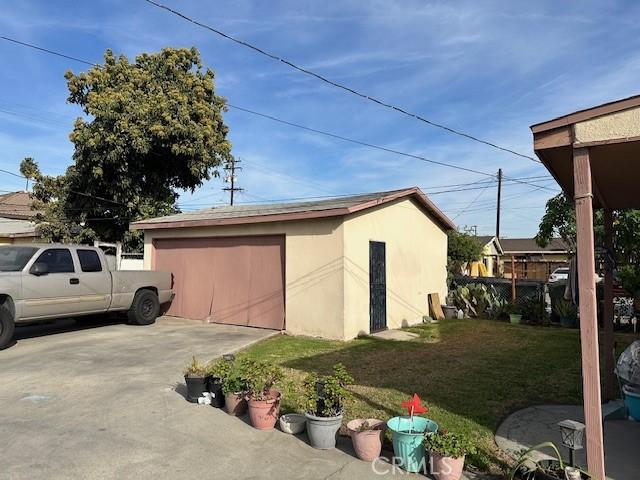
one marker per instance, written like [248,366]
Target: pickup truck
[47,281]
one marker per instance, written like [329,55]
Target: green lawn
[471,373]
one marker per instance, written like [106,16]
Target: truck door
[95,281]
[50,285]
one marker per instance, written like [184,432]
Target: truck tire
[7,327]
[145,308]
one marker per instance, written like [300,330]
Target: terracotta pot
[446,468]
[367,443]
[235,404]
[263,414]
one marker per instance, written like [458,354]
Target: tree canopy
[559,220]
[151,128]
[462,248]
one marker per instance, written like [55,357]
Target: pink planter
[368,443]
[446,468]
[264,413]
[235,404]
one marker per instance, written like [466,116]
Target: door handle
[74,281]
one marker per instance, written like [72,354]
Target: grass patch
[471,373]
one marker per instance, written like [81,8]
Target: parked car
[42,282]
[559,274]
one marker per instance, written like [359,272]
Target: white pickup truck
[46,281]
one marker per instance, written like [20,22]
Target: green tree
[559,220]
[462,248]
[152,128]
[29,169]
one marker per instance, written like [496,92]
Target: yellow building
[334,268]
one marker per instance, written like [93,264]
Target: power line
[358,142]
[46,50]
[270,117]
[338,85]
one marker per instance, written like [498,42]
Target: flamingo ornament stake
[413,406]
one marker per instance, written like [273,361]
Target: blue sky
[488,68]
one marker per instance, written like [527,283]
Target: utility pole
[230,177]
[498,204]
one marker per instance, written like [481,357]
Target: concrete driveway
[106,403]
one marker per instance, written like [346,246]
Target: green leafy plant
[565,309]
[219,369]
[261,377]
[513,309]
[526,467]
[195,368]
[533,310]
[448,444]
[477,299]
[325,395]
[235,380]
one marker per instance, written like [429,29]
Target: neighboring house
[531,261]
[491,252]
[16,218]
[334,268]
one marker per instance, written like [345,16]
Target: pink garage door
[235,280]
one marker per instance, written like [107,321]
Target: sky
[490,69]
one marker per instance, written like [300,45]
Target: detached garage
[333,268]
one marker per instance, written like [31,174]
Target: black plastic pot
[215,387]
[196,386]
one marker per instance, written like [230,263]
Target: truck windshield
[13,259]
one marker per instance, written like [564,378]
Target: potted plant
[195,376]
[407,435]
[263,399]
[529,468]
[325,398]
[448,451]
[567,312]
[515,313]
[367,436]
[234,388]
[217,372]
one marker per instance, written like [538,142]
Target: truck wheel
[7,327]
[145,308]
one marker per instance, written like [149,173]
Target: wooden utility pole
[498,204]
[513,279]
[230,168]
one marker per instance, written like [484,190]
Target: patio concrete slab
[107,403]
[530,426]
[397,335]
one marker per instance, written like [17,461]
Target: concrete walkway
[528,427]
[106,403]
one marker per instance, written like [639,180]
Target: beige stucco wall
[625,124]
[416,259]
[313,269]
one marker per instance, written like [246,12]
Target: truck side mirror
[39,268]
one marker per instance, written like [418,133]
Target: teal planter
[408,447]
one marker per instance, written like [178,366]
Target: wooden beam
[609,378]
[588,313]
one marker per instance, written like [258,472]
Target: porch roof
[611,132]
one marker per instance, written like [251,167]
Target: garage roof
[277,212]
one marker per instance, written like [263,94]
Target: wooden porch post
[609,380]
[588,313]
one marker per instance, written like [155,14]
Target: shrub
[325,396]
[260,377]
[219,369]
[448,444]
[195,368]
